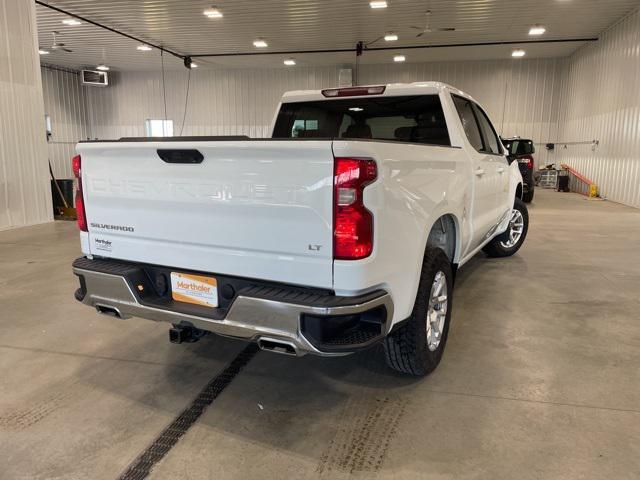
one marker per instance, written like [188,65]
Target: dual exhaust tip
[187,334]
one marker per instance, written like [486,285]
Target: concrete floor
[541,377]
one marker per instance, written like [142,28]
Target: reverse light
[354,91]
[76,165]
[352,222]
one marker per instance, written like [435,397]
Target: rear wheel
[527,197]
[509,242]
[416,347]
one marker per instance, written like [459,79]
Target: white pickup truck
[343,230]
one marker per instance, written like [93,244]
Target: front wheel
[509,242]
[416,347]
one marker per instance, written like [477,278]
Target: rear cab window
[411,119]
[477,126]
[469,122]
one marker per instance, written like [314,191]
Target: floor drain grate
[141,466]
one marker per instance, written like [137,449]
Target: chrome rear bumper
[248,317]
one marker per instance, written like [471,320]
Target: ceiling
[294,25]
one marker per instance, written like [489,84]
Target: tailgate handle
[180,156]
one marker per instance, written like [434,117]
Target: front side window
[415,119]
[469,123]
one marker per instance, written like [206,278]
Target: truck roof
[391,89]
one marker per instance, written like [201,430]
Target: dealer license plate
[196,289]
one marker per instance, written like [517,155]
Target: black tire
[527,197]
[495,248]
[406,348]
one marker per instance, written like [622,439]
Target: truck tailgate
[255,209]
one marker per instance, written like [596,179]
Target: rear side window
[469,123]
[491,141]
[414,119]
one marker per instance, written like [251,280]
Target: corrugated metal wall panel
[600,100]
[519,96]
[221,102]
[65,103]
[25,194]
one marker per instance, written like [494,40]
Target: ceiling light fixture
[71,21]
[194,65]
[378,4]
[102,68]
[518,53]
[260,43]
[391,37]
[289,62]
[537,30]
[356,109]
[213,12]
[399,58]
[144,48]
[43,52]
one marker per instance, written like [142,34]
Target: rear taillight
[352,222]
[76,164]
[528,159]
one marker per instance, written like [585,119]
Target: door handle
[500,169]
[479,171]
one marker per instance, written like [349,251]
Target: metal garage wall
[65,103]
[518,94]
[25,193]
[221,102]
[600,100]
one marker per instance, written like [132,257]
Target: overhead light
[71,21]
[43,52]
[399,58]
[260,43]
[194,65]
[356,109]
[518,53]
[102,68]
[289,62]
[213,12]
[537,30]
[144,48]
[378,4]
[391,37]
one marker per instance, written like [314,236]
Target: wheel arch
[519,191]
[444,233]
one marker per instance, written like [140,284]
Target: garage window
[158,128]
